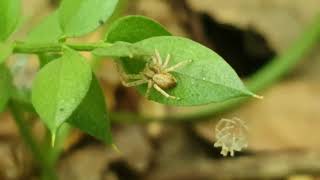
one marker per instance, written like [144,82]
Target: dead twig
[273,165]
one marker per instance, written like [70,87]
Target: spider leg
[231,149]
[226,129]
[126,76]
[226,123]
[172,68]
[134,83]
[220,140]
[154,60]
[165,64]
[163,92]
[133,76]
[150,83]
[158,57]
[224,151]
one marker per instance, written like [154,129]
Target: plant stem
[268,75]
[26,135]
[26,48]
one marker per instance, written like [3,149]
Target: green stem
[25,48]
[268,75]
[285,63]
[26,135]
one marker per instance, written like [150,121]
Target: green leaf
[206,79]
[9,17]
[48,31]
[5,86]
[45,58]
[59,88]
[121,49]
[5,51]
[91,115]
[133,29]
[79,17]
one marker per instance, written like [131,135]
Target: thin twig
[262,166]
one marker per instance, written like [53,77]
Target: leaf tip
[257,96]
[115,148]
[53,139]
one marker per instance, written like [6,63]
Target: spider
[156,73]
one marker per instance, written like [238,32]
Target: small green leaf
[133,29]
[9,17]
[206,79]
[5,51]
[121,49]
[79,17]
[48,31]
[91,115]
[5,86]
[59,88]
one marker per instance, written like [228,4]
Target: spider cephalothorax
[156,74]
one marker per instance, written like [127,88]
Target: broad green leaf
[121,49]
[91,115]
[5,51]
[79,17]
[5,86]
[133,29]
[9,17]
[206,79]
[48,31]
[59,88]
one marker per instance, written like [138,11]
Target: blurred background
[283,134]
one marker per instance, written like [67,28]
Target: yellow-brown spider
[156,73]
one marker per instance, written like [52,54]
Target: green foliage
[48,31]
[59,88]
[45,58]
[133,29]
[208,78]
[5,86]
[9,17]
[5,51]
[91,115]
[66,90]
[79,17]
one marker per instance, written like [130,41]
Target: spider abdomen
[164,80]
